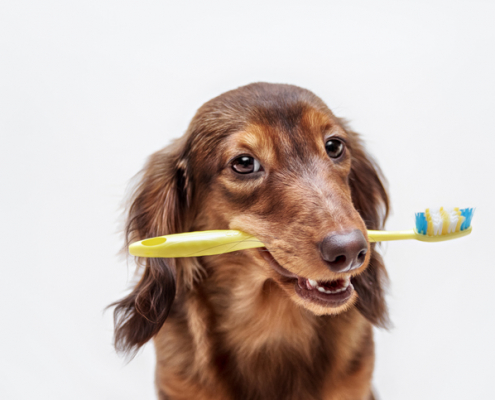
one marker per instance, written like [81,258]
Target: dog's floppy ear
[371,201]
[159,207]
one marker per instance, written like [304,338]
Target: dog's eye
[334,148]
[246,165]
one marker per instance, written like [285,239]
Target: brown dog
[293,320]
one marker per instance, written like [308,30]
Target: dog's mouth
[333,293]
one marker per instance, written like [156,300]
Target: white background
[89,89]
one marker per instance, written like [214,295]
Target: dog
[292,320]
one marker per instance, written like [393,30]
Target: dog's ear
[371,201]
[159,207]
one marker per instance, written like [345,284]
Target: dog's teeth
[312,284]
[309,286]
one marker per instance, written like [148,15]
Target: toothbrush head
[443,223]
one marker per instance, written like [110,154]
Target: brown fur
[230,326]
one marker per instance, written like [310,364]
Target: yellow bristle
[429,220]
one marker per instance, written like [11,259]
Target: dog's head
[273,161]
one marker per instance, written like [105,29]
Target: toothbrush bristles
[442,221]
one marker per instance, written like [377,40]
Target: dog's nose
[344,251]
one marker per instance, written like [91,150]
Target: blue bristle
[467,213]
[421,223]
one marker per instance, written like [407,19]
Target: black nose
[344,251]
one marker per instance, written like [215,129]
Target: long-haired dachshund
[294,319]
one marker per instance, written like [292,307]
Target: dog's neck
[269,335]
[245,338]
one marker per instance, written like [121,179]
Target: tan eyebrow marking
[254,140]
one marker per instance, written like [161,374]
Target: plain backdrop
[89,89]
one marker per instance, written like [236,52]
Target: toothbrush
[434,225]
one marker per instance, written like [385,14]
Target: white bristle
[436,220]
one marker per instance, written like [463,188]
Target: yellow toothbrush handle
[385,236]
[194,244]
[207,243]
